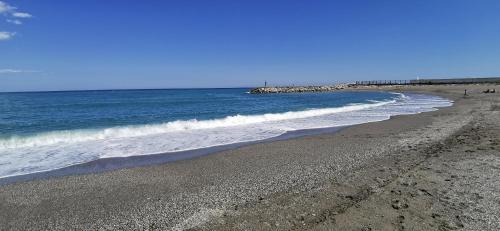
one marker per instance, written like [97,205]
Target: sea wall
[456,81]
[267,90]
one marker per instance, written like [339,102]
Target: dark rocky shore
[293,89]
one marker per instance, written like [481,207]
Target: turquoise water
[41,131]
[26,114]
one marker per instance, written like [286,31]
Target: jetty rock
[269,90]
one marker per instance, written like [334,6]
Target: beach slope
[430,171]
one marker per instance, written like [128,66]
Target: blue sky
[115,44]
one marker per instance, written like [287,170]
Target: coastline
[115,163]
[310,182]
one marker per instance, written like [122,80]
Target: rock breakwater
[268,90]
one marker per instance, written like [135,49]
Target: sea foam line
[82,135]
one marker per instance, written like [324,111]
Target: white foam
[53,150]
[74,136]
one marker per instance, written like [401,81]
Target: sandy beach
[430,171]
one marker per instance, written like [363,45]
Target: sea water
[43,131]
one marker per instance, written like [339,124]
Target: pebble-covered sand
[431,171]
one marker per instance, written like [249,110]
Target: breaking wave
[72,136]
[57,149]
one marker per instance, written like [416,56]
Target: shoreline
[331,180]
[114,163]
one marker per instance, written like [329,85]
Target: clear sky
[95,44]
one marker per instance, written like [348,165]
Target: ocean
[43,131]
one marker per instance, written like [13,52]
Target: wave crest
[73,136]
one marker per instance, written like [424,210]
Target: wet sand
[430,171]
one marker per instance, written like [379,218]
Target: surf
[82,135]
[46,151]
